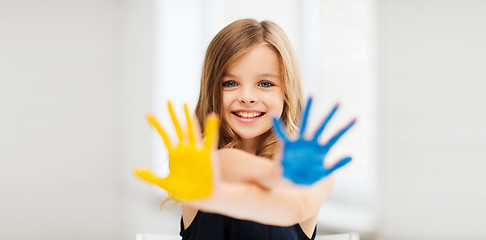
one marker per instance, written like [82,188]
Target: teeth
[248,114]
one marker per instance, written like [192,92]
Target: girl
[250,75]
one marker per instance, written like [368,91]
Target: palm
[190,172]
[302,159]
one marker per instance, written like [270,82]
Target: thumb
[340,164]
[149,176]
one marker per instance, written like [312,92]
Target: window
[334,43]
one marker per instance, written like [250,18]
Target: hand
[302,160]
[190,171]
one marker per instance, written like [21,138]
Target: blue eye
[229,84]
[266,84]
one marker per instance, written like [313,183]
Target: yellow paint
[190,175]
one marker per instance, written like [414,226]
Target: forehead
[258,61]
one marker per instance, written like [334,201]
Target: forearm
[251,202]
[238,166]
[283,206]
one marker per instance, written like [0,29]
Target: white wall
[75,86]
[58,64]
[135,137]
[431,119]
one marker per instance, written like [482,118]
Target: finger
[190,129]
[197,129]
[151,118]
[278,128]
[147,175]
[303,123]
[177,126]
[324,123]
[341,163]
[336,137]
[211,131]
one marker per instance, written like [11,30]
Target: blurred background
[78,77]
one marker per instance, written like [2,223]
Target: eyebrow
[260,75]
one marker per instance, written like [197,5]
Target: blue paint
[302,159]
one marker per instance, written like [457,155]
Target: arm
[239,193]
[282,206]
[238,166]
[241,170]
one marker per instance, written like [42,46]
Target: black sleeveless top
[208,226]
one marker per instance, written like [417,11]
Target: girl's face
[252,92]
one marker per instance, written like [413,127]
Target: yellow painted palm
[190,172]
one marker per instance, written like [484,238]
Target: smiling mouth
[248,115]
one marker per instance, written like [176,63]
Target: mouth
[248,115]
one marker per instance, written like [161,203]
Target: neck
[249,145]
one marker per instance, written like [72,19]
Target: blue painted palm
[302,159]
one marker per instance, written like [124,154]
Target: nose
[244,100]
[247,99]
[248,96]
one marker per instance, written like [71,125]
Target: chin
[250,134]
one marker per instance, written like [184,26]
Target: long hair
[229,44]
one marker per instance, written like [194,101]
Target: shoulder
[188,215]
[309,226]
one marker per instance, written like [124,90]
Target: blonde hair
[228,45]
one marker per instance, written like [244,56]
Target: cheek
[276,102]
[225,103]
